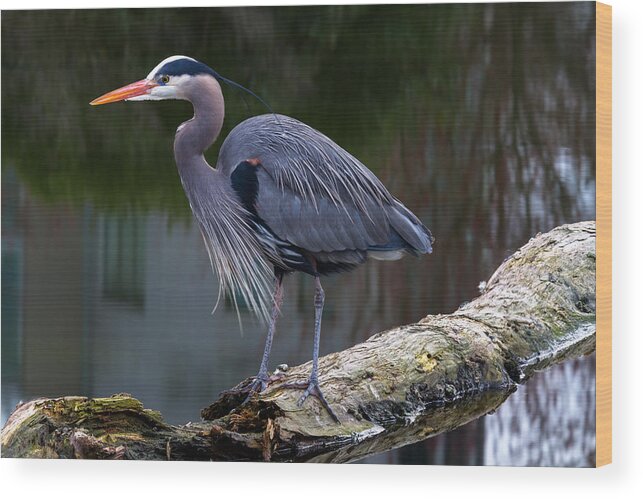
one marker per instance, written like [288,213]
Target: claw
[260,383]
[311,387]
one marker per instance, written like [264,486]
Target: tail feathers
[406,235]
[410,229]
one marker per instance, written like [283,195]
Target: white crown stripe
[166,61]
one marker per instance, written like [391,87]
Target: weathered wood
[398,387]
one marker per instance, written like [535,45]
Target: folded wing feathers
[312,181]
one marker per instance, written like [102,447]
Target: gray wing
[315,195]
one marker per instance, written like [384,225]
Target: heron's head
[172,78]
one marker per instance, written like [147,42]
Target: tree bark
[400,386]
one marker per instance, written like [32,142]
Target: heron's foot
[260,383]
[311,387]
[255,384]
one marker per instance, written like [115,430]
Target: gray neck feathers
[234,250]
[195,136]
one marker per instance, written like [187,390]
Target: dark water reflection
[479,117]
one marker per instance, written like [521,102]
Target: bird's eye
[165,79]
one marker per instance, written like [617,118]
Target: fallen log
[398,387]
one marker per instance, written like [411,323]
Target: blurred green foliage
[475,78]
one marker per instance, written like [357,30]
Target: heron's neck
[195,136]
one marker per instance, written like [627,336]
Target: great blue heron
[282,198]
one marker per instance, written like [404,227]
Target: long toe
[257,385]
[312,388]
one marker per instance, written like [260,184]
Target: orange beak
[128,91]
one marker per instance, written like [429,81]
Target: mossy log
[398,387]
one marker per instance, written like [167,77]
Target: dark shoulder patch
[245,183]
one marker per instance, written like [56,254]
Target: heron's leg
[319,308]
[311,387]
[261,380]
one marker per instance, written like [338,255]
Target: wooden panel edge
[603,234]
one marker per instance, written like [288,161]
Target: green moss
[103,413]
